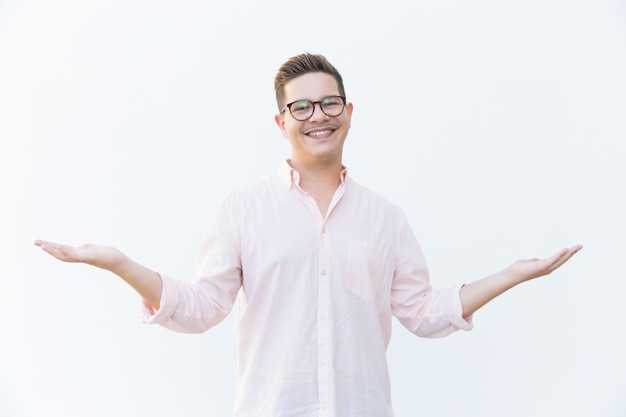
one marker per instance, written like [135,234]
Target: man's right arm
[146,282]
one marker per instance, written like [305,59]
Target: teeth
[320,133]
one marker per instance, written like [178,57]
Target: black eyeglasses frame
[288,106]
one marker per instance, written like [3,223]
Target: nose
[318,114]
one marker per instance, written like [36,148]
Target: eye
[301,106]
[331,102]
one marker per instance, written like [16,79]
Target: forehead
[313,85]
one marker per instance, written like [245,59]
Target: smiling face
[319,140]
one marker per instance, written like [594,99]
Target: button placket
[323,330]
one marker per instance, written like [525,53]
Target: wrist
[118,263]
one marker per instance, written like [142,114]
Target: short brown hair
[300,65]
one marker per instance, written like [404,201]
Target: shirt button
[323,272]
[323,361]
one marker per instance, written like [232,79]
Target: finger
[568,253]
[51,248]
[61,252]
[561,257]
[576,248]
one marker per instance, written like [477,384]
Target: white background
[498,126]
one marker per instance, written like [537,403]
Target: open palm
[527,269]
[105,257]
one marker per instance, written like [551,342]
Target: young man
[320,264]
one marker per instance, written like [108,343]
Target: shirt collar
[289,176]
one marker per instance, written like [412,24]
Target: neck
[320,181]
[318,176]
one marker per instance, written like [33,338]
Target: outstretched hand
[104,257]
[145,281]
[478,293]
[527,269]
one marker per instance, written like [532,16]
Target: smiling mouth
[319,133]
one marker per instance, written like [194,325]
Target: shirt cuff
[458,320]
[169,302]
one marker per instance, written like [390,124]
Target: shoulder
[249,194]
[365,195]
[374,206]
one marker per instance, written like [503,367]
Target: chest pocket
[365,268]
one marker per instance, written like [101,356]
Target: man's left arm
[478,293]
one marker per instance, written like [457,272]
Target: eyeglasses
[302,110]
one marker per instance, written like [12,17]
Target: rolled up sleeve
[169,301]
[424,311]
[194,307]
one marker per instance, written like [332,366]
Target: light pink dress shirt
[317,295]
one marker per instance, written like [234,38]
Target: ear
[349,108]
[280,122]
